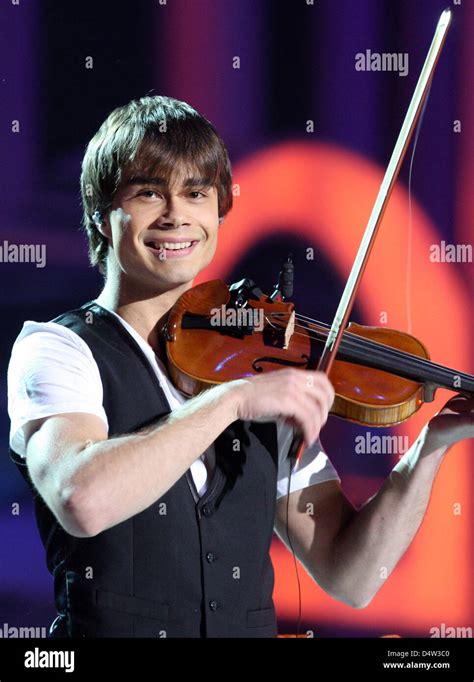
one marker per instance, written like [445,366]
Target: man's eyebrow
[193,181]
[144,180]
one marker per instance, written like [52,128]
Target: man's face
[162,235]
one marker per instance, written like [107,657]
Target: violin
[216,333]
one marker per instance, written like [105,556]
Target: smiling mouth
[166,250]
[172,246]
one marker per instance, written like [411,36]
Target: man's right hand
[303,398]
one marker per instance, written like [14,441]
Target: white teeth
[173,246]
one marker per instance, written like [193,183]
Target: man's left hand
[455,422]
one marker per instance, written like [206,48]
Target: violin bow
[348,296]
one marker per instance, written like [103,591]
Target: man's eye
[147,193]
[196,192]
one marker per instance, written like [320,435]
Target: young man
[154,523]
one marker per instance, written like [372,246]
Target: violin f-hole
[279,361]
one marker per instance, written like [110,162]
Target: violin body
[201,353]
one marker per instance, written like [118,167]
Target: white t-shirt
[52,371]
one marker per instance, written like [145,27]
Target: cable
[290,458]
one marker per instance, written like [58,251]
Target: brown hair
[145,135]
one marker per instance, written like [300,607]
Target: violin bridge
[290,328]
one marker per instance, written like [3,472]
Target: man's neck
[147,314]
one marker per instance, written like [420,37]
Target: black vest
[184,567]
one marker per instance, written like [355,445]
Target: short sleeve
[51,371]
[315,466]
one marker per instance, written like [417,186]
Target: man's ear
[221,220]
[102,224]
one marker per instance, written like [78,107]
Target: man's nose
[173,214]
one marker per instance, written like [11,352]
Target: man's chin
[174,281]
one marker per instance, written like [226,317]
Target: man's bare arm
[350,552]
[92,482]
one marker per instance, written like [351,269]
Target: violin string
[387,352]
[354,342]
[368,343]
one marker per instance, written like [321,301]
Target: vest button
[210,556]
[213,605]
[206,510]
